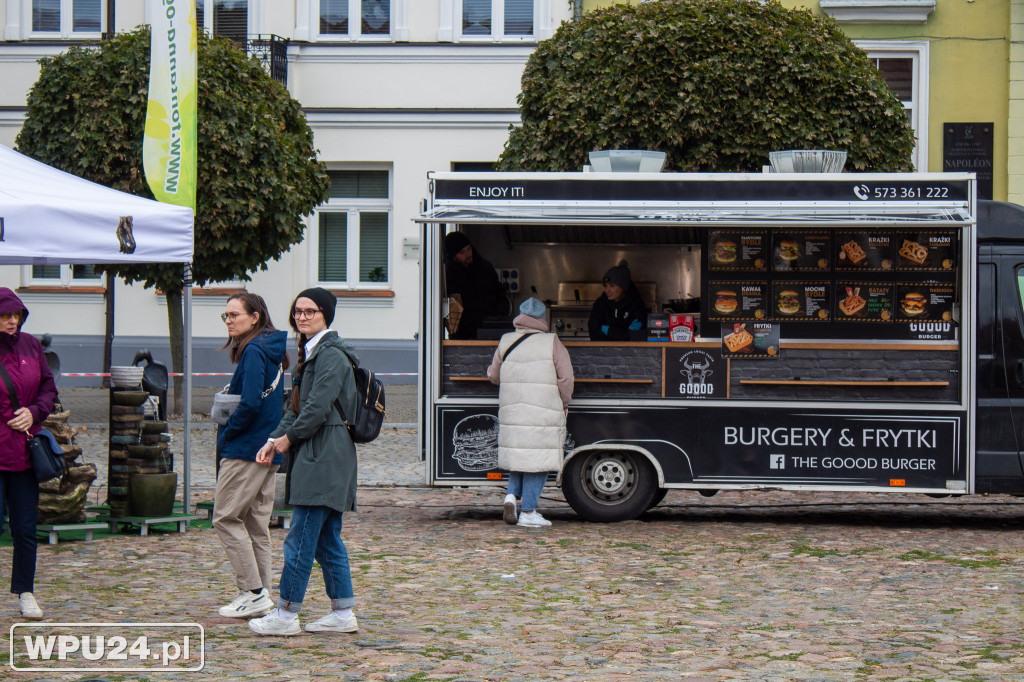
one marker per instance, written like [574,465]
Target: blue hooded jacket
[255,417]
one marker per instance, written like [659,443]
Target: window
[495,20]
[353,230]
[229,18]
[904,66]
[63,275]
[374,18]
[62,18]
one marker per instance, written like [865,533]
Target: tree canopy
[715,84]
[258,172]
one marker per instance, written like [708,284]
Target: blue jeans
[315,533]
[20,490]
[528,486]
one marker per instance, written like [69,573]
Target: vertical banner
[169,146]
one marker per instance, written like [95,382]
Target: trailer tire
[609,485]
[658,497]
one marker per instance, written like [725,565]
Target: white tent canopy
[48,216]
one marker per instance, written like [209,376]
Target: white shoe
[271,624]
[247,605]
[332,622]
[509,510]
[532,520]
[29,608]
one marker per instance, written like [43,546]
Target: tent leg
[187,333]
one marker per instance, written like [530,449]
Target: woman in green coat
[322,479]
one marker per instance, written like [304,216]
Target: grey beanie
[619,275]
[532,307]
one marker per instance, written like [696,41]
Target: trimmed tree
[258,171]
[715,84]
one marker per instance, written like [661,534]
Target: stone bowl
[154,426]
[129,398]
[145,451]
[152,494]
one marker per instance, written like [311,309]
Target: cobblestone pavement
[742,586]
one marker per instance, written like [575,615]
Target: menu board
[864,251]
[863,302]
[736,301]
[933,302]
[802,301]
[801,250]
[737,250]
[750,340]
[934,250]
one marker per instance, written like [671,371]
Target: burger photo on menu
[788,302]
[726,302]
[914,304]
[724,251]
[788,250]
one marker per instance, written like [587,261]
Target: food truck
[805,332]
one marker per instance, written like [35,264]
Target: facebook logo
[777,461]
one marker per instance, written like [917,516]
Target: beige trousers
[241,516]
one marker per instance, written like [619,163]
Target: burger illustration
[788,250]
[789,302]
[725,302]
[913,304]
[725,251]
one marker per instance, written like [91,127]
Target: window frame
[450,28]
[353,207]
[253,11]
[66,280]
[307,24]
[19,22]
[919,53]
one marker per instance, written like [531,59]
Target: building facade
[392,89]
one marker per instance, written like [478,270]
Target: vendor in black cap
[619,313]
[474,280]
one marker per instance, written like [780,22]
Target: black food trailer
[845,332]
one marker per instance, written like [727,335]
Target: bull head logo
[125,236]
[696,372]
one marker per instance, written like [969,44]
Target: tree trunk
[175,326]
[108,335]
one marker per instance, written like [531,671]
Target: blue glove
[634,325]
[604,329]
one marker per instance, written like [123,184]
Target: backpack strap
[516,343]
[15,403]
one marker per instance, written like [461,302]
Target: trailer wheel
[658,497]
[605,486]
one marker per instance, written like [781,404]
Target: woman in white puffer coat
[535,374]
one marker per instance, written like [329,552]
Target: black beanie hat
[619,275]
[455,242]
[325,301]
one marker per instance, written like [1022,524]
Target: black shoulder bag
[46,462]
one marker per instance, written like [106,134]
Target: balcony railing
[272,51]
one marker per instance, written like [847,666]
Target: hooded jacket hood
[10,303]
[273,344]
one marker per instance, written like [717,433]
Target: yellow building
[951,62]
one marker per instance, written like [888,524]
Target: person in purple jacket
[22,357]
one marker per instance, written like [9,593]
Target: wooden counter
[840,371]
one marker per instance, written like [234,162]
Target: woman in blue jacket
[245,490]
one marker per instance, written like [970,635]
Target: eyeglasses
[7,316]
[304,314]
[229,317]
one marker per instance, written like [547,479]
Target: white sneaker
[509,510]
[247,605]
[332,622]
[532,520]
[29,608]
[271,624]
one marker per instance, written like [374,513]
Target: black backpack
[365,425]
